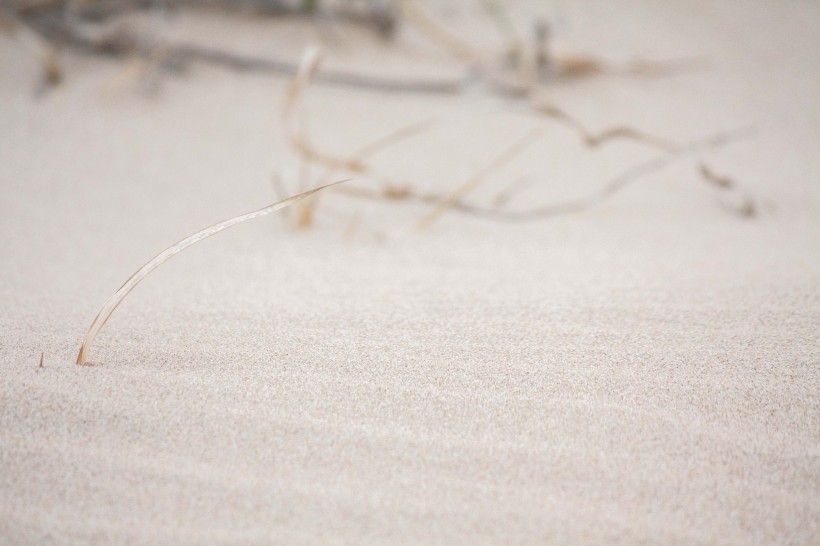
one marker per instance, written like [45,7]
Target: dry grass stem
[576,66]
[723,182]
[392,191]
[356,161]
[308,65]
[593,140]
[602,194]
[307,71]
[129,285]
[620,182]
[510,153]
[746,208]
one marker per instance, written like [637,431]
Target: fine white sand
[644,372]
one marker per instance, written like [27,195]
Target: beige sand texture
[645,372]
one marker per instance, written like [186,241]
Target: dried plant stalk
[505,157]
[296,127]
[397,193]
[437,32]
[356,162]
[115,300]
[84,26]
[309,64]
[45,52]
[747,207]
[591,139]
[722,182]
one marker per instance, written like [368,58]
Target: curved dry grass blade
[168,253]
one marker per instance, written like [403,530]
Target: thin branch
[747,207]
[503,197]
[46,54]
[602,194]
[592,139]
[510,153]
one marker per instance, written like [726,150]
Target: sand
[644,372]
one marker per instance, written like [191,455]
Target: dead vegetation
[520,74]
[111,305]
[744,203]
[356,164]
[100,27]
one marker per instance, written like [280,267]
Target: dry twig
[447,201]
[605,192]
[747,207]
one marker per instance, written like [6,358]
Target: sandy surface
[645,372]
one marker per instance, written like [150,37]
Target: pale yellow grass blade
[309,64]
[167,254]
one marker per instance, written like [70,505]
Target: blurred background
[508,111]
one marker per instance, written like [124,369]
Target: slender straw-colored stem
[168,253]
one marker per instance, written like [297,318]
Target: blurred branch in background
[520,74]
[390,190]
[98,27]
